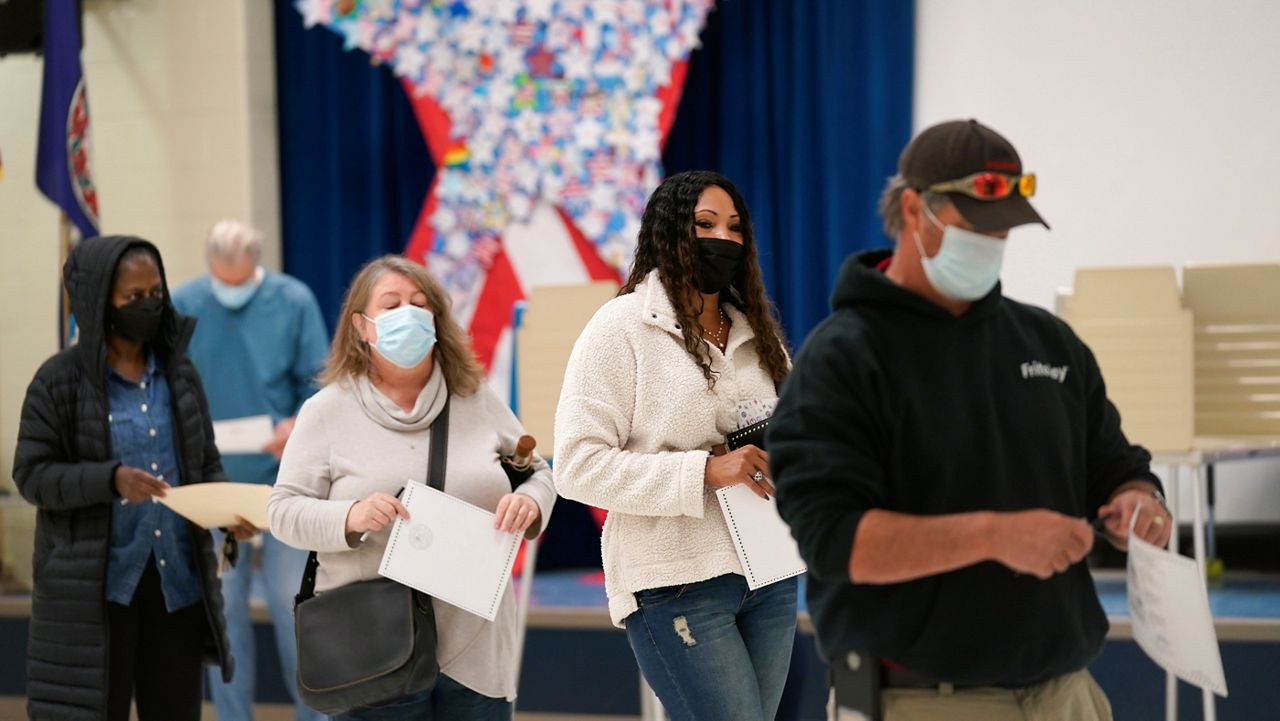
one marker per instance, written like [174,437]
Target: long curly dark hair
[668,243]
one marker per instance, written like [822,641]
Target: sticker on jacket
[754,411]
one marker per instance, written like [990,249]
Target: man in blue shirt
[259,344]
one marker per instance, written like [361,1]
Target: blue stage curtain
[805,106]
[354,168]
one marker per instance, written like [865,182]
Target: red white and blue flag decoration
[63,171]
[545,119]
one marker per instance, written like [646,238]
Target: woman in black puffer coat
[127,603]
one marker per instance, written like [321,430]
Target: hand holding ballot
[280,436]
[243,529]
[517,513]
[742,459]
[1169,607]
[765,548]
[748,466]
[762,540]
[253,434]
[374,513]
[450,550]
[1154,525]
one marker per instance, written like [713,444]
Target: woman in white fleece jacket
[397,358]
[652,387]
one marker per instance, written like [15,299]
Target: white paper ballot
[216,505]
[243,435]
[1169,606]
[450,550]
[762,539]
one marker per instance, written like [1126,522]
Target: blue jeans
[714,650]
[448,700]
[280,574]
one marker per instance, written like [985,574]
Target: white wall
[1152,127]
[1151,124]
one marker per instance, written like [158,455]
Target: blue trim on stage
[1254,598]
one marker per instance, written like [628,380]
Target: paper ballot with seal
[450,550]
[1169,606]
[764,544]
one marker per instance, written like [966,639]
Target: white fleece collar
[656,310]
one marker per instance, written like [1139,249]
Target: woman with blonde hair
[398,358]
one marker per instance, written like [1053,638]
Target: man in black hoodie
[940,450]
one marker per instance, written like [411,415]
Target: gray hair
[231,240]
[891,204]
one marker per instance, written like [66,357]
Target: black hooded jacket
[896,404]
[64,465]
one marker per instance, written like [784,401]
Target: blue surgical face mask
[405,335]
[235,297]
[967,265]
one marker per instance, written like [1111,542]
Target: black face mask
[718,263]
[140,320]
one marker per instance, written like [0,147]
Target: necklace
[720,336]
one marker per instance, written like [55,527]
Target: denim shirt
[142,437]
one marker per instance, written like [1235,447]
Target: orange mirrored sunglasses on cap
[989,186]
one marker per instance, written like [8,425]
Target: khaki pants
[1072,697]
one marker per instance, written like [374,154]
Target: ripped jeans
[714,650]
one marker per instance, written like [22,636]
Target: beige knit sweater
[633,431]
[351,440]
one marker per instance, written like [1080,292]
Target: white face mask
[235,297]
[967,265]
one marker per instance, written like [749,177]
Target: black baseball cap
[957,149]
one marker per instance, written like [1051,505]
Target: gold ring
[1158,520]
